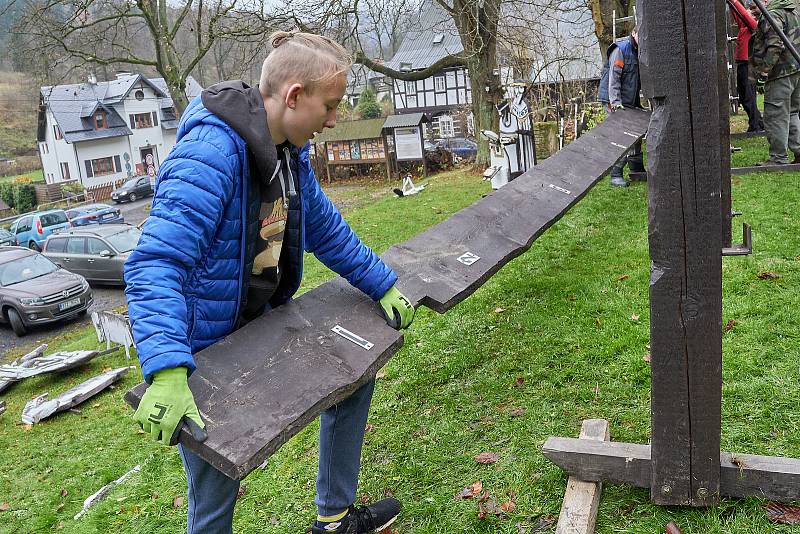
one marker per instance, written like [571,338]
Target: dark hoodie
[273,206]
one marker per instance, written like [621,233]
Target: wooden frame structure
[690,213]
[360,142]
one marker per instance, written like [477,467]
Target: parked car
[7,238]
[34,290]
[459,146]
[96,252]
[31,230]
[133,189]
[94,214]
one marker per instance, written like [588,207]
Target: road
[105,298]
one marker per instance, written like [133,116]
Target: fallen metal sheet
[113,328]
[100,494]
[40,408]
[59,361]
[262,384]
[2,407]
[265,382]
[23,361]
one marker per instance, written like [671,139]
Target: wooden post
[679,67]
[327,164]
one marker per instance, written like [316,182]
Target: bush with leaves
[368,107]
[24,197]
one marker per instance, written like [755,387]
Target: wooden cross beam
[689,165]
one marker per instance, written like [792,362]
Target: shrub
[24,197]
[368,107]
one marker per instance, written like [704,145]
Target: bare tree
[169,37]
[603,15]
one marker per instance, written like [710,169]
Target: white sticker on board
[468,258]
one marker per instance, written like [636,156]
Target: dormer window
[438,38]
[100,120]
[405,67]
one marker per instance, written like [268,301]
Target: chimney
[123,74]
[92,79]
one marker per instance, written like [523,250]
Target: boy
[235,206]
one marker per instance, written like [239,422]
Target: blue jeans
[212,495]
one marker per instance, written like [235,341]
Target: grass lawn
[35,176]
[558,335]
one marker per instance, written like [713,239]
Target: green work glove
[616,107]
[397,310]
[168,403]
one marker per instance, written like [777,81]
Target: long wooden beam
[741,475]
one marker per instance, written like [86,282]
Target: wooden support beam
[789,167]
[741,475]
[724,119]
[685,237]
[582,499]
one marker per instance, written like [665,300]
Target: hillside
[18,103]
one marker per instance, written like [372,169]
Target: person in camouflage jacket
[770,59]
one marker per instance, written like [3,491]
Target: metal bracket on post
[745,248]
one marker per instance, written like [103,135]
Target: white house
[99,132]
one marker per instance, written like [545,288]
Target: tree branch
[453,60]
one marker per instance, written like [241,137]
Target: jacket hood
[242,108]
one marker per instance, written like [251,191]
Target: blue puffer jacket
[184,279]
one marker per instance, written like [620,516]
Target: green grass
[566,329]
[35,176]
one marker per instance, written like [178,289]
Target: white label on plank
[565,191]
[620,146]
[468,258]
[350,336]
[632,134]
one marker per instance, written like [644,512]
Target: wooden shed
[355,143]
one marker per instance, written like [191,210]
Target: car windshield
[129,183]
[23,269]
[125,241]
[53,218]
[5,233]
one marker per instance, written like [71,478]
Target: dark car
[96,252]
[7,238]
[94,214]
[133,189]
[459,146]
[34,290]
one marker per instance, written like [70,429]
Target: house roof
[432,37]
[565,49]
[351,130]
[404,121]
[73,105]
[358,76]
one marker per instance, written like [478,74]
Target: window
[446,126]
[100,120]
[438,38]
[95,246]
[139,95]
[57,132]
[141,120]
[53,218]
[65,171]
[24,225]
[100,166]
[56,245]
[75,245]
[438,84]
[43,148]
[411,88]
[405,66]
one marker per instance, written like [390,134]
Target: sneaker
[372,518]
[619,181]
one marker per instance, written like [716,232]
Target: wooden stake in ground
[579,510]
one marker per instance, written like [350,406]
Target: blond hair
[305,57]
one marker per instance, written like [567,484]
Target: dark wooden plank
[262,384]
[685,243]
[741,475]
[789,167]
[504,224]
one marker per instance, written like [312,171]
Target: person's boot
[619,181]
[796,158]
[771,163]
[362,519]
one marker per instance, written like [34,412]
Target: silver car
[96,252]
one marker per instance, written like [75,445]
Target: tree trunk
[602,14]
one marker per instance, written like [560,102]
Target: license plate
[108,216]
[69,304]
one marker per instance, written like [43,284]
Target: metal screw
[702,493]
[666,489]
